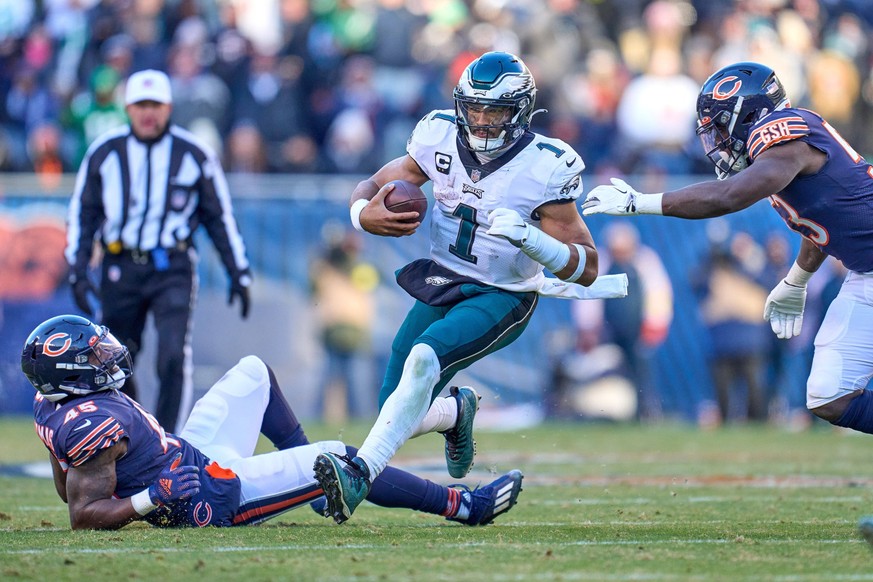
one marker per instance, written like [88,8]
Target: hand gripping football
[406,197]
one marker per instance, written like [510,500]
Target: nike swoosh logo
[85,424]
[571,162]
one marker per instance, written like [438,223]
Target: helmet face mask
[494,102]
[725,150]
[731,101]
[69,355]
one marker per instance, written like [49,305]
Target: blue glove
[175,483]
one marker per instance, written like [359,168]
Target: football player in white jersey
[504,210]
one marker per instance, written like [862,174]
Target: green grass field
[600,502]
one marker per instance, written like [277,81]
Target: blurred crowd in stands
[337,85]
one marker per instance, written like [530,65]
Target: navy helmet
[730,103]
[69,355]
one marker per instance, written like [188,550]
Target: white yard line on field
[333,547]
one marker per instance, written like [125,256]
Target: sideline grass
[600,502]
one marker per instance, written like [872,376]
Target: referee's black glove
[239,287]
[81,287]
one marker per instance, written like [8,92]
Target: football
[406,197]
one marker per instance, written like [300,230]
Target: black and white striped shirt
[141,196]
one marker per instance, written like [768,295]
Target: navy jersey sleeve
[778,127]
[85,435]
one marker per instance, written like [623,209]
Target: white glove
[620,199]
[509,224]
[544,249]
[784,309]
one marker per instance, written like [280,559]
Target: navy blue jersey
[834,207]
[78,428]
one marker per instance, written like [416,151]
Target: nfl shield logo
[178,199]
[475,175]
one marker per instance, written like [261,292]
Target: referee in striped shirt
[141,192]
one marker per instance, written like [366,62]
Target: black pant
[130,287]
[726,370]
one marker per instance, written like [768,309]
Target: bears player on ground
[504,210]
[823,189]
[113,463]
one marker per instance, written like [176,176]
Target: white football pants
[843,360]
[225,424]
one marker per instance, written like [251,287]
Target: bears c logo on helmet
[720,95]
[55,351]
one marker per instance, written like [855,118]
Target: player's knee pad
[818,391]
[252,366]
[822,387]
[249,375]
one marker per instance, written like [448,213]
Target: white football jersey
[537,170]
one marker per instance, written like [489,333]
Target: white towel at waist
[604,287]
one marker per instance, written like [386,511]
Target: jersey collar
[471,163]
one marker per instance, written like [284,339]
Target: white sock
[403,411]
[442,415]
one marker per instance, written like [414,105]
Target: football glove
[239,287]
[175,483]
[784,309]
[544,249]
[81,286]
[508,224]
[620,199]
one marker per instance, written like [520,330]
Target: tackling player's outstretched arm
[367,204]
[771,172]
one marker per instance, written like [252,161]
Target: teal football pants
[460,334]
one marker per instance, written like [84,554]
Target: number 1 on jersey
[463,246]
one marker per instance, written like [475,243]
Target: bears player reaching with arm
[823,189]
[113,463]
[503,212]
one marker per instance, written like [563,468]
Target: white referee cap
[148,85]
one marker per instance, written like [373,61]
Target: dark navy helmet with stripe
[730,103]
[68,355]
[494,101]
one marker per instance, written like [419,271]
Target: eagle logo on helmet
[494,103]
